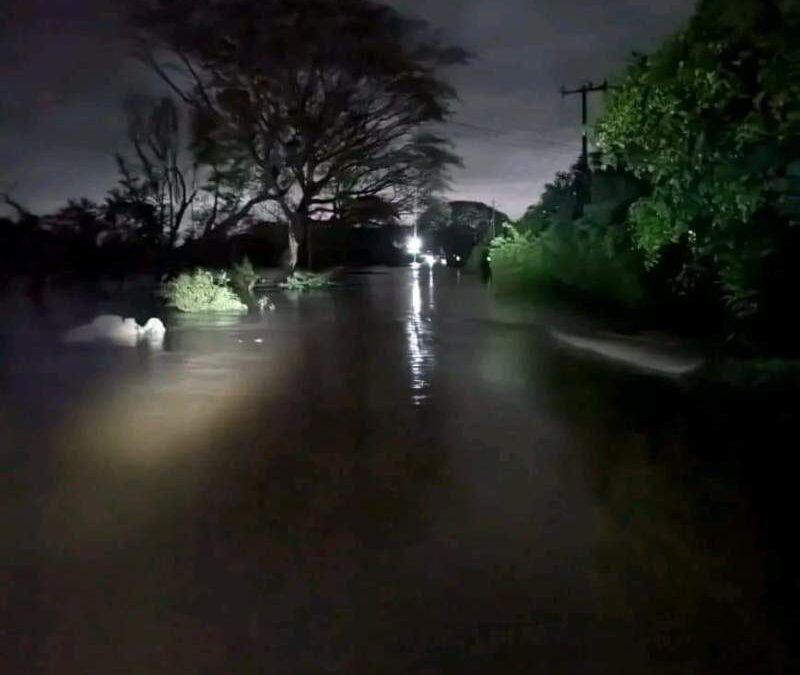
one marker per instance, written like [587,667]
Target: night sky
[65,70]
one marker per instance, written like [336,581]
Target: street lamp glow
[429,260]
[413,245]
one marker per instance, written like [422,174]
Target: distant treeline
[85,241]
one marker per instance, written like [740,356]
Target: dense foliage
[712,122]
[564,249]
[694,200]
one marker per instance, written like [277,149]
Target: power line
[530,147]
[495,130]
[478,127]
[510,132]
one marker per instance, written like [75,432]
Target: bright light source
[443,261]
[413,245]
[458,258]
[429,259]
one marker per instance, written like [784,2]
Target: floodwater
[399,475]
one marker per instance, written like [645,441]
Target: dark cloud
[65,71]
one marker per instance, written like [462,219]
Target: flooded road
[399,475]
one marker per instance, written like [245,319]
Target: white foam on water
[118,331]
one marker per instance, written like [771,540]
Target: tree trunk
[298,234]
[291,253]
[309,243]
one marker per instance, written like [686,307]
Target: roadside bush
[201,291]
[571,261]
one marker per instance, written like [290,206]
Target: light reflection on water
[421,357]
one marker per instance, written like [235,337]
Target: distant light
[488,258]
[443,261]
[429,259]
[458,258]
[413,245]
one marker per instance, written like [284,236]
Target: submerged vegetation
[306,281]
[202,291]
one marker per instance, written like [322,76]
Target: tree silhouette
[327,104]
[155,182]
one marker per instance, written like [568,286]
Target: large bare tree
[328,105]
[155,176]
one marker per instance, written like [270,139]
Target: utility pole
[494,213]
[584,191]
[584,91]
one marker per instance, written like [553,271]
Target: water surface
[400,475]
